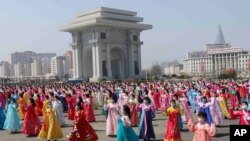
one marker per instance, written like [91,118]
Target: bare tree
[156,70]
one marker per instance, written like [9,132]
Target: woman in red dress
[39,106]
[31,123]
[71,107]
[173,131]
[133,110]
[243,114]
[82,130]
[88,108]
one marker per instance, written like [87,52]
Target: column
[79,51]
[97,61]
[74,62]
[139,59]
[108,59]
[131,61]
[94,61]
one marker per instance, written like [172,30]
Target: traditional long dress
[89,111]
[2,115]
[51,128]
[82,130]
[187,113]
[164,103]
[57,106]
[223,105]
[191,96]
[39,107]
[31,123]
[134,112]
[125,132]
[123,99]
[12,122]
[64,103]
[21,107]
[202,132]
[215,111]
[45,106]
[99,96]
[71,108]
[204,107]
[111,125]
[156,98]
[146,129]
[243,115]
[173,131]
[234,100]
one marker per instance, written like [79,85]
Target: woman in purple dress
[146,129]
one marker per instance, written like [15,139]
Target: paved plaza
[100,125]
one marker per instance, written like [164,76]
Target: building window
[103,35]
[135,38]
[136,68]
[104,68]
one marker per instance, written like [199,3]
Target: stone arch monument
[106,44]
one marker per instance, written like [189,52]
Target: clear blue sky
[179,26]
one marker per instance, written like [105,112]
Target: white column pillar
[139,59]
[97,62]
[79,51]
[108,59]
[94,61]
[74,62]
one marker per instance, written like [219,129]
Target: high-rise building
[217,58]
[22,57]
[27,57]
[5,69]
[58,66]
[22,69]
[68,63]
[37,68]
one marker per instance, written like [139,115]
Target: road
[100,125]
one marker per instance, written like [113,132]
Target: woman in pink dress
[184,104]
[111,125]
[164,101]
[202,130]
[156,98]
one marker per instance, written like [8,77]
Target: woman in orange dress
[21,106]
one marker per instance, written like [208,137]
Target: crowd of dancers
[38,109]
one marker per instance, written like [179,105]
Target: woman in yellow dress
[45,104]
[21,106]
[51,129]
[223,103]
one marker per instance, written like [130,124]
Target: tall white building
[37,68]
[173,69]
[58,66]
[19,70]
[5,69]
[217,58]
[22,69]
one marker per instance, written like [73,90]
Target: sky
[179,26]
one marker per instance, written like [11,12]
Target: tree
[156,70]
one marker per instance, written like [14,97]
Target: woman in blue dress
[12,122]
[125,131]
[2,115]
[204,107]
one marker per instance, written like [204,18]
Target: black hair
[147,99]
[172,101]
[176,96]
[126,109]
[57,97]
[114,98]
[202,114]
[204,97]
[46,97]
[80,99]
[13,99]
[32,101]
[87,95]
[244,102]
[79,105]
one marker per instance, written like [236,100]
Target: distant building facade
[217,58]
[58,66]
